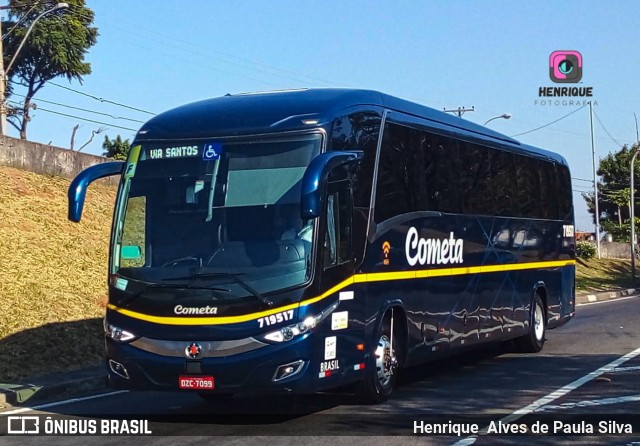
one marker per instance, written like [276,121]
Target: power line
[170,41]
[102,99]
[192,61]
[189,49]
[605,129]
[88,120]
[552,122]
[582,179]
[20,21]
[568,132]
[83,109]
[82,119]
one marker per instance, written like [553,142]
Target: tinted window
[442,173]
[422,171]
[337,244]
[565,195]
[528,187]
[475,179]
[359,131]
[549,190]
[401,182]
[503,181]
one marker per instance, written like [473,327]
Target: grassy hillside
[52,274]
[603,274]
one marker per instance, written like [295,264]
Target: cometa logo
[179,309]
[432,251]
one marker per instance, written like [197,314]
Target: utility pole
[595,180]
[3,85]
[459,111]
[632,206]
[633,226]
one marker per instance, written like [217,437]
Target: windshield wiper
[176,286]
[236,278]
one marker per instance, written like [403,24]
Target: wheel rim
[538,323]
[385,361]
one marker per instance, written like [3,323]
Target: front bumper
[250,371]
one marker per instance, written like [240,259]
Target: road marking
[61,403]
[607,301]
[626,369]
[545,400]
[590,403]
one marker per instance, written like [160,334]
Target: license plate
[196,382]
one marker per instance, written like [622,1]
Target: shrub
[585,250]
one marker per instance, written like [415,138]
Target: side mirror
[78,187]
[314,181]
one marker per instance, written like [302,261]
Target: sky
[492,55]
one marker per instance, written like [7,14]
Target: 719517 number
[273,319]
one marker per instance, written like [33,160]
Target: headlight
[289,332]
[116,333]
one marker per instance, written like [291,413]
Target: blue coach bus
[302,240]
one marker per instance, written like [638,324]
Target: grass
[52,275]
[603,274]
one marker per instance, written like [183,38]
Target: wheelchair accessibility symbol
[212,151]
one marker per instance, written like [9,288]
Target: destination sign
[209,151]
[173,152]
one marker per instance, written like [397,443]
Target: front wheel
[533,341]
[380,374]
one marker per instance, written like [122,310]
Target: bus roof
[278,111]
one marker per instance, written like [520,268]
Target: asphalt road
[587,375]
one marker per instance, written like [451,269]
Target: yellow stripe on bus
[357,278]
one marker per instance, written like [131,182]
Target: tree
[116,148]
[614,192]
[56,47]
[93,134]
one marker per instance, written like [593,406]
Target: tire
[533,341]
[380,372]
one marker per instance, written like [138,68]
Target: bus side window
[337,242]
[133,244]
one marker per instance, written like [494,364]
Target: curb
[55,385]
[605,295]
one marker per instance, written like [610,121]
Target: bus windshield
[223,211]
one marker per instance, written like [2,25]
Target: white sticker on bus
[340,320]
[432,251]
[568,231]
[330,348]
[346,295]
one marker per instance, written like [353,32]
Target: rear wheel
[533,341]
[380,373]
